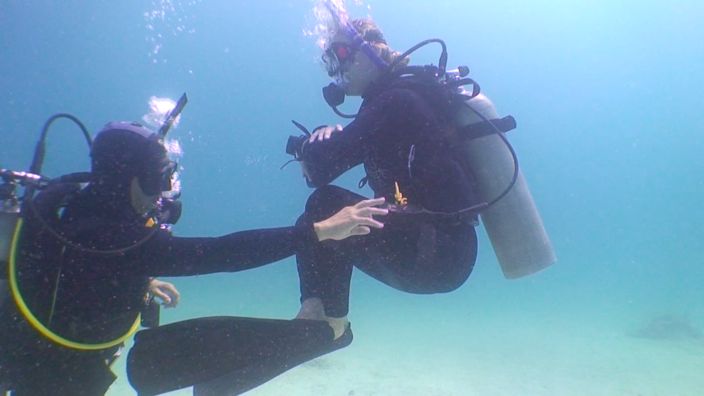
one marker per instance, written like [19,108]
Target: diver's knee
[323,197]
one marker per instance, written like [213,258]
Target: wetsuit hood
[124,150]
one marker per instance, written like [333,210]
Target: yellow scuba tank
[513,224]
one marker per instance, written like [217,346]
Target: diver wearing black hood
[82,263]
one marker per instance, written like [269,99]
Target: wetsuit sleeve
[178,256]
[325,161]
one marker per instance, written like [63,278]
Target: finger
[316,133]
[331,130]
[368,221]
[171,289]
[373,211]
[157,292]
[370,202]
[360,230]
[173,293]
[325,133]
[162,296]
[317,130]
[175,297]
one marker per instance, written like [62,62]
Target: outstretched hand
[352,220]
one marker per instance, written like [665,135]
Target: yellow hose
[43,330]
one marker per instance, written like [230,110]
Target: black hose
[343,115]
[513,156]
[38,159]
[442,62]
[35,168]
[74,245]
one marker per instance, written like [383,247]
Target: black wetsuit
[401,135]
[98,297]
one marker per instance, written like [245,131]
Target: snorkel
[168,210]
[172,116]
[165,114]
[333,93]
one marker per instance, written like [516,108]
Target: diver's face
[349,67]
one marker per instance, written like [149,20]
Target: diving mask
[159,179]
[338,56]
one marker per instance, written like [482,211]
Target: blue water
[607,96]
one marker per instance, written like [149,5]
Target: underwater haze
[607,97]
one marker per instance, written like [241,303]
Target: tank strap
[484,128]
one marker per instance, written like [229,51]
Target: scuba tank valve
[10,205]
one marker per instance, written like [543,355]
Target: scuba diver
[435,151]
[83,252]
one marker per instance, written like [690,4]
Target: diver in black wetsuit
[83,262]
[401,136]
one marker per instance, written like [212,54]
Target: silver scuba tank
[513,224]
[9,215]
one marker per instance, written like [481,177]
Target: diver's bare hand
[164,291]
[352,220]
[324,133]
